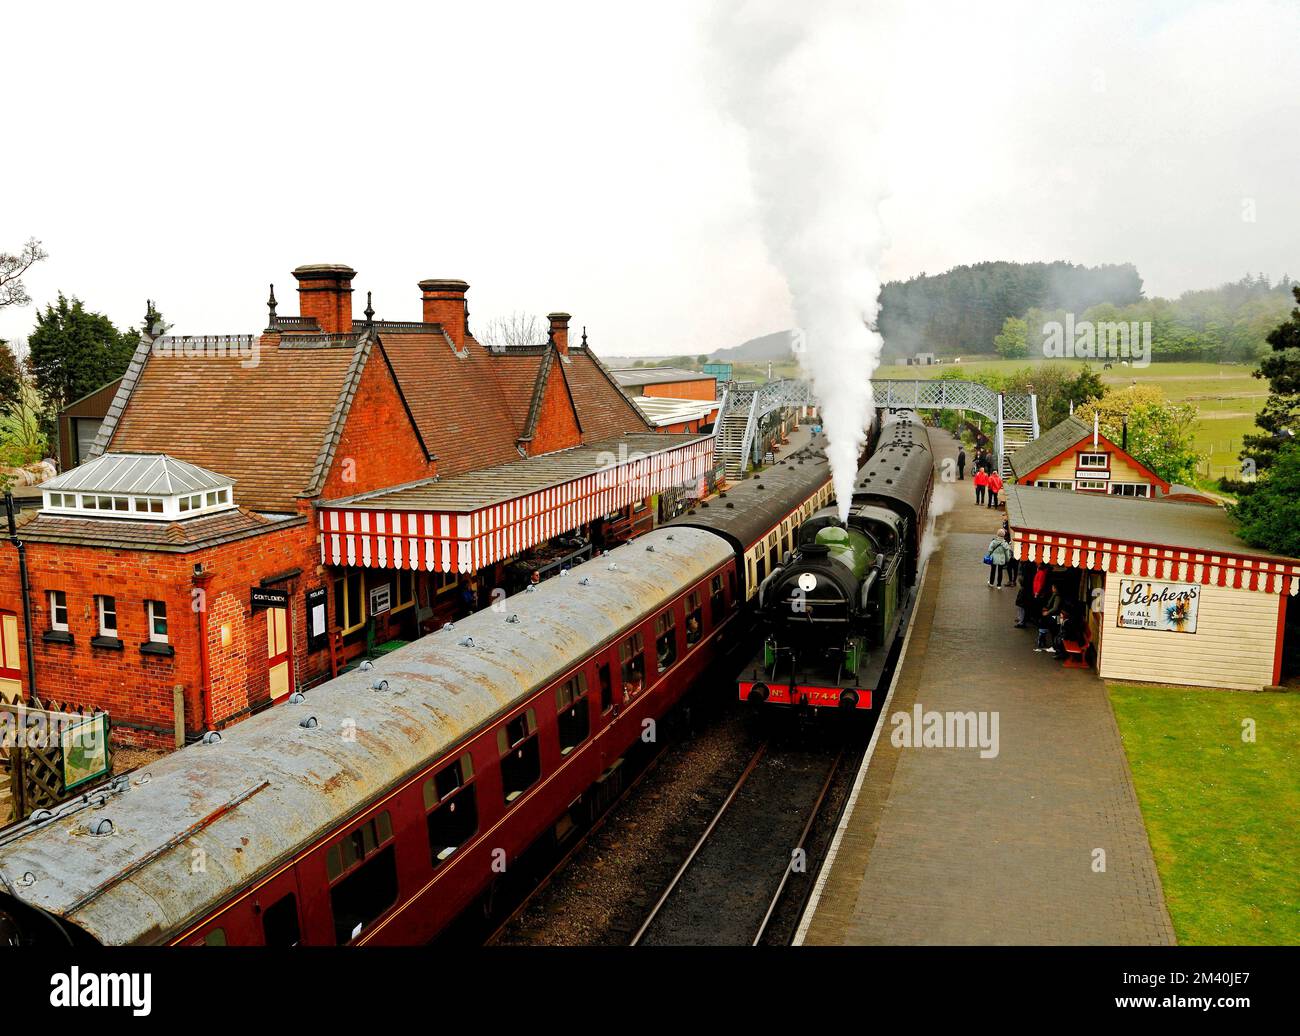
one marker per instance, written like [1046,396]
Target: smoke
[809,89]
[942,500]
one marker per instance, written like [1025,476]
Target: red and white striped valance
[465,542]
[1151,561]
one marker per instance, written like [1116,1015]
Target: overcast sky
[580,156]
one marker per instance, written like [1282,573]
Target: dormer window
[154,487]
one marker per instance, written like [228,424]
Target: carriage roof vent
[100,826]
[466,642]
[584,581]
[297,698]
[210,738]
[512,618]
[650,548]
[379,685]
[309,722]
[368,665]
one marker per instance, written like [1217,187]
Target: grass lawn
[1221,814]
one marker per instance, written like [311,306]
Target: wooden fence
[43,768]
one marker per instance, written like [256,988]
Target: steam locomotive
[831,611]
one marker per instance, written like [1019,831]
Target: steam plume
[808,88]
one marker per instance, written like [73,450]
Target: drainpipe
[27,593]
[201,581]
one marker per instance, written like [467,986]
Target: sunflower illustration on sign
[1177,614]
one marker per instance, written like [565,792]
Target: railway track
[744,879]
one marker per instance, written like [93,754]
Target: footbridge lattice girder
[757,401]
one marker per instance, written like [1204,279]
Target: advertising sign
[1167,607]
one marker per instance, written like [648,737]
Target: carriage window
[573,715]
[451,807]
[521,760]
[363,869]
[606,687]
[760,571]
[717,600]
[280,922]
[771,543]
[215,937]
[694,619]
[631,654]
[666,640]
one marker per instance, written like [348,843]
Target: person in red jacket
[995,487]
[981,483]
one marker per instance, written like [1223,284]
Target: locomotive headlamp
[807,582]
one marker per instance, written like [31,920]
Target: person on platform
[961,464]
[1041,576]
[999,550]
[1013,565]
[981,481]
[995,487]
[1047,619]
[1025,593]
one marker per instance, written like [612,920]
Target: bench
[1076,651]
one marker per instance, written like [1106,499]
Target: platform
[941,846]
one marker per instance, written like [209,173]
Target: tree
[1159,432]
[11,376]
[516,329]
[1269,517]
[12,268]
[1280,417]
[1058,386]
[1012,341]
[74,351]
[702,359]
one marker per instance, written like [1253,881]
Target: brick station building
[260,508]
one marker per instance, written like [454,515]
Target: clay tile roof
[455,399]
[263,421]
[146,535]
[603,410]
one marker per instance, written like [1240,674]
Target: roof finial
[270,304]
[584,336]
[369,311]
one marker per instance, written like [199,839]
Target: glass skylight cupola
[149,486]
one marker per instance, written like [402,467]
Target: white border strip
[824,874]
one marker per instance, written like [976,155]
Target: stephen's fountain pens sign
[1170,607]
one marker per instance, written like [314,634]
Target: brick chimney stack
[444,303]
[560,331]
[325,293]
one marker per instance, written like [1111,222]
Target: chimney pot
[445,304]
[325,294]
[560,331]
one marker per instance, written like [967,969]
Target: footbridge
[744,405]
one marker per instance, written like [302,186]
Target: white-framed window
[156,612]
[148,505]
[59,610]
[1094,460]
[1048,483]
[1130,489]
[106,607]
[1090,484]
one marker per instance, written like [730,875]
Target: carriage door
[11,678]
[279,665]
[276,908]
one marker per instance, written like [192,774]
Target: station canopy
[1152,539]
[467,521]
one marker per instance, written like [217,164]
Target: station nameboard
[1166,607]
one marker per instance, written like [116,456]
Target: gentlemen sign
[265,597]
[1169,607]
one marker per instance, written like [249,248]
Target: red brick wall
[379,446]
[557,427]
[702,389]
[135,688]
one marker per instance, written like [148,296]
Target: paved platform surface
[945,847]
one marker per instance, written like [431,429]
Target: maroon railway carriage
[377,807]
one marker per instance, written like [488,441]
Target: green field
[1220,812]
